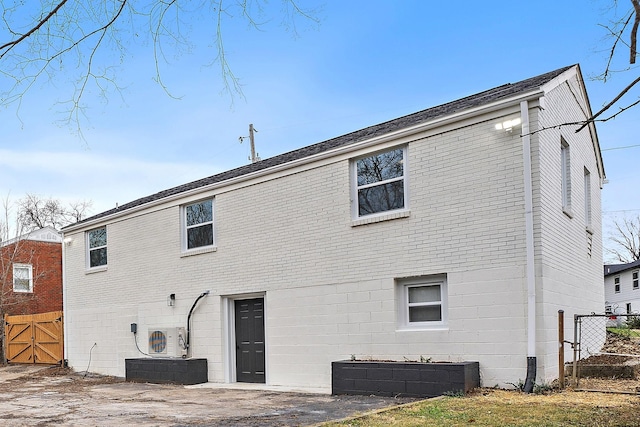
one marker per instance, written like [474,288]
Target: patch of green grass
[625,332]
[510,408]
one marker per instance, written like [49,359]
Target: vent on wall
[167,342]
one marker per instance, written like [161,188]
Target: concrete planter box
[173,371]
[408,379]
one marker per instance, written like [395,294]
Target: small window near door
[422,302]
[628,308]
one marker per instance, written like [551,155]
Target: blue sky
[366,62]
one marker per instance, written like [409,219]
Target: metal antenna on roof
[255,157]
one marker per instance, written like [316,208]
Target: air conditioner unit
[167,342]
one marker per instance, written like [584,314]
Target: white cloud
[105,179]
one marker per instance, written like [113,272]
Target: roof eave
[405,132]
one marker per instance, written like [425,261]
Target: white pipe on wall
[528,211]
[65,344]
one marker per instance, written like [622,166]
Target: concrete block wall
[330,285]
[568,258]
[310,327]
[293,239]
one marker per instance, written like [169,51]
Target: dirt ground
[618,350]
[40,396]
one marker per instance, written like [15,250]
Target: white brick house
[455,233]
[622,288]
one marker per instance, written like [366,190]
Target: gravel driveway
[40,396]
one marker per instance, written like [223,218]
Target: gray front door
[250,362]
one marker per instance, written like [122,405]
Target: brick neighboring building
[31,275]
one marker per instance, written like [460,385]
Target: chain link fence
[606,353]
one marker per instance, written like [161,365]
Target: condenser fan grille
[158,342]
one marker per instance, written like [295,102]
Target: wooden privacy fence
[35,338]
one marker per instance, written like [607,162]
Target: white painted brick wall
[568,279]
[330,286]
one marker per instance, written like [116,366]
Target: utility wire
[620,148]
[621,211]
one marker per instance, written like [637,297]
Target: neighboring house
[622,287]
[32,272]
[454,233]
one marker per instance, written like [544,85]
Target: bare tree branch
[610,104]
[77,40]
[626,240]
[583,123]
[35,212]
[617,35]
[634,32]
[5,48]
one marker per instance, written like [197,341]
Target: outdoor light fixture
[171,301]
[508,125]
[67,241]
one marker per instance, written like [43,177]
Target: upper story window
[97,247]
[22,278]
[565,170]
[634,279]
[198,224]
[380,182]
[616,284]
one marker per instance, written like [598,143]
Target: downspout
[65,344]
[530,269]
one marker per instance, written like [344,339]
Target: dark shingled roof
[610,269]
[492,95]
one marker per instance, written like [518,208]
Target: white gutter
[528,213]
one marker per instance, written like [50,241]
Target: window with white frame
[198,225]
[634,278]
[97,247]
[422,302]
[587,198]
[22,278]
[380,182]
[616,284]
[565,170]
